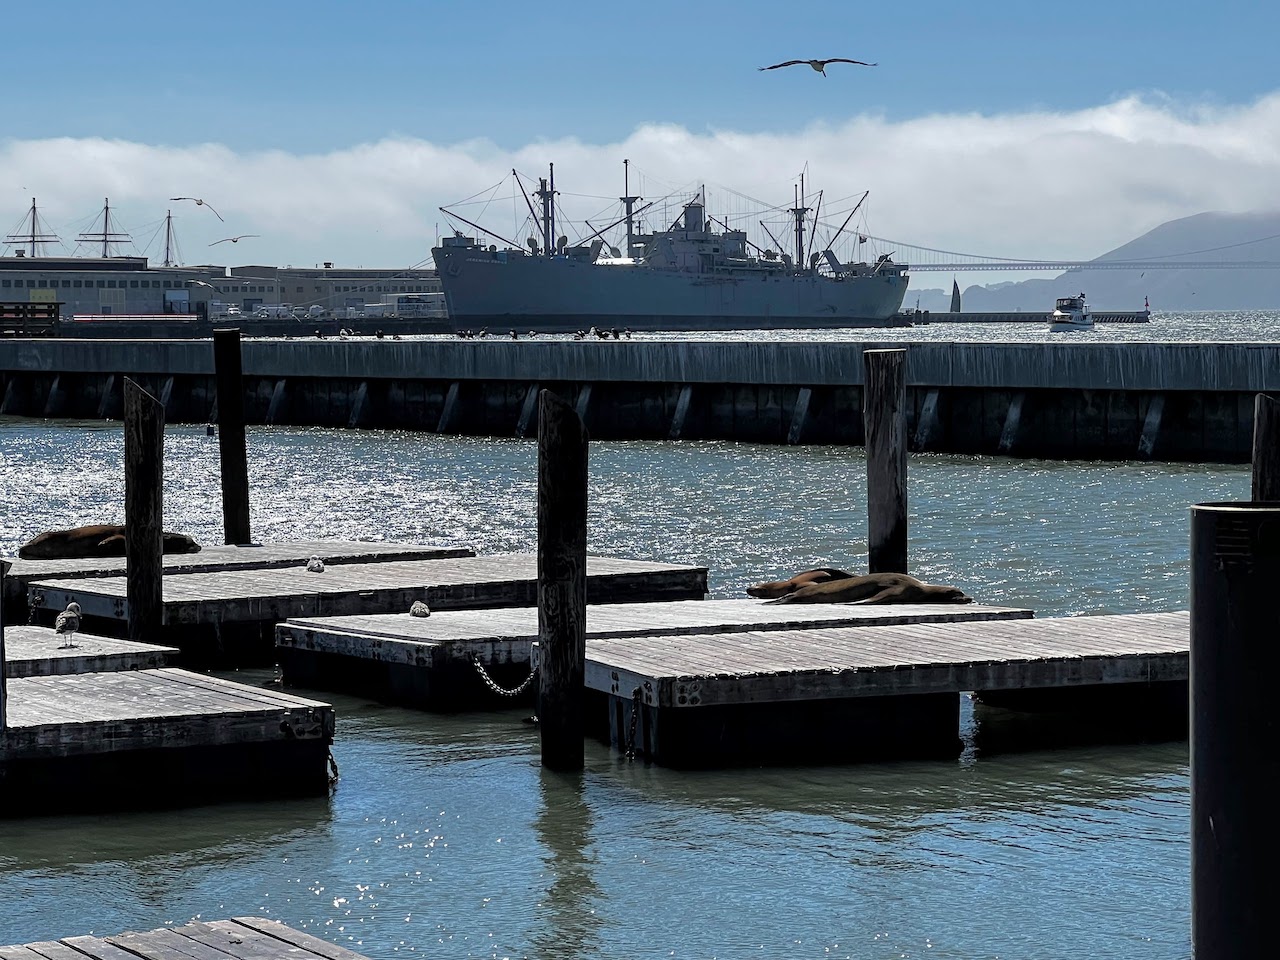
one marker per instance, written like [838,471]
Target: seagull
[819,65]
[232,239]
[315,565]
[419,609]
[66,625]
[200,203]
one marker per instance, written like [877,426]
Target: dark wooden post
[562,581]
[1266,448]
[884,415]
[231,442]
[143,511]
[4,690]
[1235,836]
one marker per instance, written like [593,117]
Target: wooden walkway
[243,938]
[158,737]
[319,653]
[37,652]
[775,686]
[221,557]
[353,588]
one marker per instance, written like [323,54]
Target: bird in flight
[232,239]
[200,203]
[819,65]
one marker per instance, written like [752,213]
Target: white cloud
[1029,184]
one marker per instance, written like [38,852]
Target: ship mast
[546,195]
[798,211]
[168,238]
[628,202]
[106,237]
[32,235]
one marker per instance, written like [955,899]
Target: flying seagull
[200,203]
[819,65]
[66,625]
[232,239]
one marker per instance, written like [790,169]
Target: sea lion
[875,588]
[98,540]
[780,588]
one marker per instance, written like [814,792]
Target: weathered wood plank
[35,652]
[321,948]
[242,938]
[755,667]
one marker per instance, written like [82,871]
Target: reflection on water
[444,838]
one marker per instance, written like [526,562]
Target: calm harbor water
[444,838]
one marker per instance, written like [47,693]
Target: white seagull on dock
[200,203]
[315,565]
[419,609]
[819,65]
[66,625]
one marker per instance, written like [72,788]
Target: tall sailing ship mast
[105,236]
[31,232]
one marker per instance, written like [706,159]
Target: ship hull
[496,289]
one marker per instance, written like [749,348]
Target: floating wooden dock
[242,938]
[871,692]
[427,662]
[163,737]
[38,652]
[253,556]
[234,612]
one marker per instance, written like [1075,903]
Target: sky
[334,131]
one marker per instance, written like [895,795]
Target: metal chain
[35,598]
[489,681]
[333,769]
[635,716]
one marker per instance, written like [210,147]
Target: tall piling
[228,372]
[1235,838]
[1266,448]
[562,581]
[143,511]
[4,689]
[884,414]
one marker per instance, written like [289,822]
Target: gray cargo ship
[689,277]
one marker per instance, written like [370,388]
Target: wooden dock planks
[163,737]
[273,595]
[222,557]
[505,635]
[37,652]
[759,667]
[242,938]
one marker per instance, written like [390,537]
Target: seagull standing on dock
[66,625]
[419,609]
[200,203]
[315,565]
[819,65]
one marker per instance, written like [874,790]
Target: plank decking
[159,737]
[255,556]
[353,588]
[427,662]
[707,669]
[37,652]
[242,938]
[882,692]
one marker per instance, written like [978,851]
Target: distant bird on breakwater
[819,65]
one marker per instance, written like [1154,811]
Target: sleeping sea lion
[780,588]
[98,540]
[875,588]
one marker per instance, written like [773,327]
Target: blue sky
[334,131]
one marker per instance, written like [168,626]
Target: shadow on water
[564,824]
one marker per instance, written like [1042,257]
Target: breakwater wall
[1170,401]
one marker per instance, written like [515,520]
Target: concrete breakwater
[1168,401]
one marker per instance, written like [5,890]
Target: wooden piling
[143,511]
[1235,841]
[4,692]
[231,439]
[884,412]
[562,595]
[1266,448]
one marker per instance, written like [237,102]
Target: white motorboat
[1071,313]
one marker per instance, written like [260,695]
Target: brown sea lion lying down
[875,588]
[99,540]
[780,588]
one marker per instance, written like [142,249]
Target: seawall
[1172,401]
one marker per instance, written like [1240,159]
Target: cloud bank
[1023,185]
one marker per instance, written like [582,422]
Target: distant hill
[1203,237]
